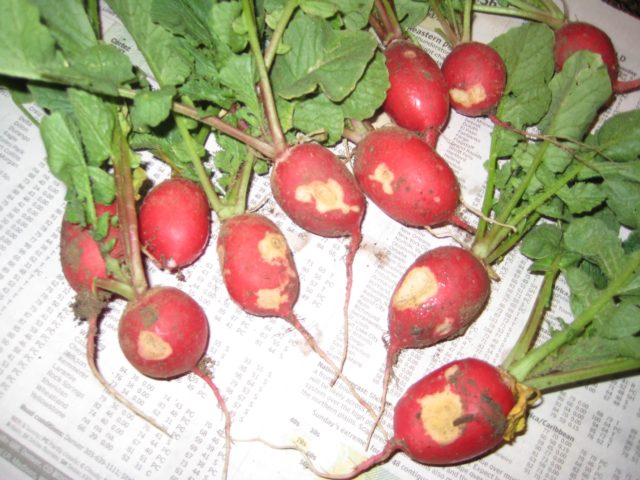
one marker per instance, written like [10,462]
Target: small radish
[164,333]
[175,223]
[476,76]
[81,255]
[319,193]
[260,275]
[575,36]
[257,266]
[417,98]
[407,178]
[439,295]
[454,414]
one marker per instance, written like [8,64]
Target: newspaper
[57,422]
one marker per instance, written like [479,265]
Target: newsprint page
[57,421]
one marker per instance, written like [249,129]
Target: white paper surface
[57,422]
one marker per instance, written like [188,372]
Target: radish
[575,36]
[319,193]
[418,97]
[163,333]
[81,255]
[439,295]
[257,266]
[407,178]
[174,223]
[454,414]
[476,76]
[260,275]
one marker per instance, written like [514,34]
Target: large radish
[407,178]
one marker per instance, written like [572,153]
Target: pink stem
[390,448]
[392,356]
[626,87]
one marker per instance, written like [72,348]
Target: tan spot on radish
[273,248]
[417,287]
[440,413]
[444,327]
[469,97]
[409,54]
[327,195]
[451,372]
[152,347]
[384,177]
[271,298]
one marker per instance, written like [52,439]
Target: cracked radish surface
[453,414]
[257,265]
[163,333]
[317,191]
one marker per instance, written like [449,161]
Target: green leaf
[321,57]
[619,137]
[150,108]
[66,160]
[96,120]
[623,322]
[240,75]
[222,19]
[528,55]
[410,13]
[169,62]
[187,18]
[319,114]
[592,239]
[27,48]
[544,240]
[103,185]
[68,23]
[579,91]
[582,197]
[370,91]
[355,13]
[101,68]
[623,198]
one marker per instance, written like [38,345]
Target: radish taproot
[407,178]
[417,98]
[476,76]
[260,275]
[174,223]
[441,293]
[456,413]
[320,194]
[575,36]
[82,257]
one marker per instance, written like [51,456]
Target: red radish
[257,266]
[260,275]
[163,333]
[319,193]
[407,178]
[175,223]
[417,98]
[439,295]
[476,77]
[454,414]
[575,36]
[80,254]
